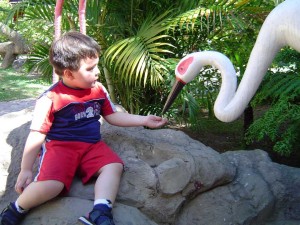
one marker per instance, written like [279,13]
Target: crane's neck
[281,28]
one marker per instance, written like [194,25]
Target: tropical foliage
[140,38]
[142,41]
[280,89]
[3,11]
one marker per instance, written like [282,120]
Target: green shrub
[280,89]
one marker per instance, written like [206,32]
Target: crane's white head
[186,70]
[188,67]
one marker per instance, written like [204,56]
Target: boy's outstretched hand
[124,119]
[152,121]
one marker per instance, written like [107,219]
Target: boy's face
[86,76]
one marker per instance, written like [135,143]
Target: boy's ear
[68,74]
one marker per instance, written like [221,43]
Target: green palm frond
[39,60]
[277,86]
[210,16]
[139,59]
[94,9]
[40,12]
[15,10]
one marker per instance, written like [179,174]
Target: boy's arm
[32,148]
[123,119]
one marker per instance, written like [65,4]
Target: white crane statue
[281,28]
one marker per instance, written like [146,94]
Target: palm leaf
[210,16]
[138,59]
[39,60]
[42,11]
[15,10]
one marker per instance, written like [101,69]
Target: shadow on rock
[16,139]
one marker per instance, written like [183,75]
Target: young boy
[66,127]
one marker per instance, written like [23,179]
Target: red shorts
[61,160]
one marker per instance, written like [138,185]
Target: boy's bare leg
[39,192]
[106,189]
[107,184]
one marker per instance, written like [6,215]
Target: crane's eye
[184,65]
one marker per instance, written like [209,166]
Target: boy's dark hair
[70,49]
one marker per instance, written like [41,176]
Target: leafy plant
[137,60]
[39,60]
[138,37]
[281,89]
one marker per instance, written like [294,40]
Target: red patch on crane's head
[184,65]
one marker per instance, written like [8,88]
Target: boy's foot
[100,215]
[10,216]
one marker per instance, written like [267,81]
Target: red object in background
[19,13]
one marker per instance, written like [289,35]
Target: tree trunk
[109,82]
[248,117]
[110,85]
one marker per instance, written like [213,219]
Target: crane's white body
[281,28]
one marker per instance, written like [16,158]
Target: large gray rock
[169,179]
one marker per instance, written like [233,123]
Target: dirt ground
[223,142]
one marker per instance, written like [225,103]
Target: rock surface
[169,179]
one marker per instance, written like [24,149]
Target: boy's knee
[113,168]
[52,187]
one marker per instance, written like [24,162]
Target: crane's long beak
[178,85]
